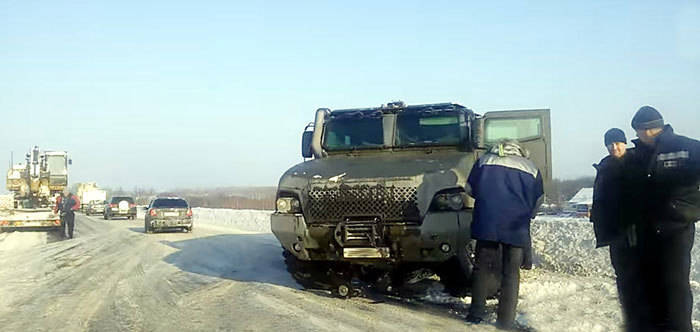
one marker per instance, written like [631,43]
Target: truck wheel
[344,290]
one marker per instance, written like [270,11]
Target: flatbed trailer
[29,219]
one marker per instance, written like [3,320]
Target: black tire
[456,274]
[308,274]
[146,228]
[344,290]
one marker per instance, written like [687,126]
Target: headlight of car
[288,205]
[449,201]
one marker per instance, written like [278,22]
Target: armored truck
[383,192]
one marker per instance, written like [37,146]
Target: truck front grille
[388,203]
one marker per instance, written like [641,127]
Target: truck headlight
[449,201]
[288,205]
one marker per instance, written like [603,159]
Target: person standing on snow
[608,195]
[71,203]
[507,188]
[663,175]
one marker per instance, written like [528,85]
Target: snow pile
[568,245]
[246,220]
[586,287]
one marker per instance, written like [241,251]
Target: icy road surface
[228,275]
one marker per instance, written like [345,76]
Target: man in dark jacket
[663,175]
[507,188]
[608,195]
[71,203]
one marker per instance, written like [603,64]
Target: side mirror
[306,144]
[70,161]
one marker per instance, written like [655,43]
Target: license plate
[171,214]
[366,253]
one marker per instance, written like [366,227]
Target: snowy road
[113,277]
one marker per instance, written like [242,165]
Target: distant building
[581,202]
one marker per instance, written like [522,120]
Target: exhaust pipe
[316,147]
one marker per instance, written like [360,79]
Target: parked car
[95,207]
[168,213]
[120,206]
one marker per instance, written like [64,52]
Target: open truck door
[529,127]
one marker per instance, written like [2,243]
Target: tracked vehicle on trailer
[34,186]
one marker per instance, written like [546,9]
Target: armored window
[518,129]
[427,128]
[354,130]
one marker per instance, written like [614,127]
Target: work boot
[474,319]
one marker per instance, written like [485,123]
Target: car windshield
[169,203]
[354,130]
[427,128]
[119,199]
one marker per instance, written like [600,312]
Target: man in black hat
[608,195]
[662,179]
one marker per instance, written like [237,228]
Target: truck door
[529,127]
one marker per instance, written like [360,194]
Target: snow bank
[246,220]
[568,245]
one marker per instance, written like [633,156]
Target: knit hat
[647,117]
[615,135]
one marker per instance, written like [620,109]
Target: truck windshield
[427,128]
[56,165]
[354,130]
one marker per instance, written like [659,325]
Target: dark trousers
[69,222]
[631,289]
[497,264]
[666,271]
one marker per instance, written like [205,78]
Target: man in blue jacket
[507,188]
[663,178]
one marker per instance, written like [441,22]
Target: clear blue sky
[165,94]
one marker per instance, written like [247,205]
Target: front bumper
[402,242]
